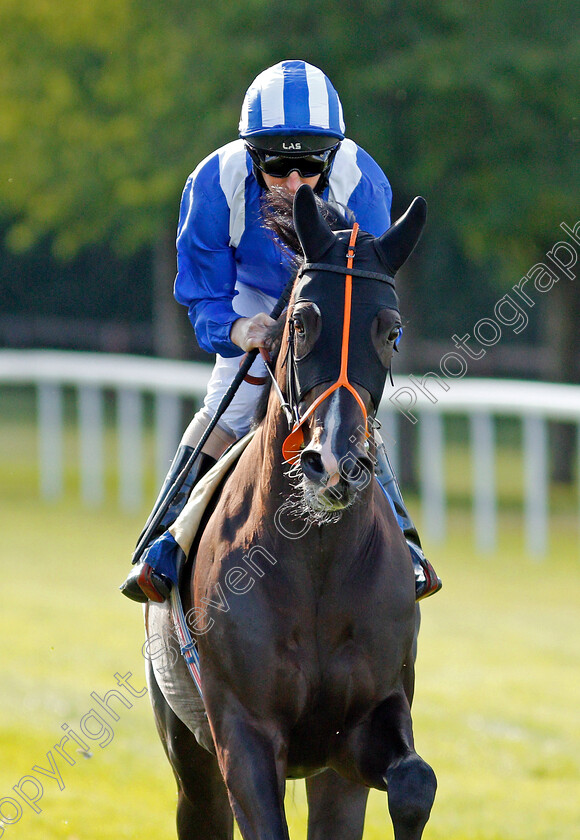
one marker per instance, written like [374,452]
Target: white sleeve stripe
[233,171]
[345,174]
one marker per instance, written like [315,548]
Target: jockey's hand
[248,333]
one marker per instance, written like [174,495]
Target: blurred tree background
[106,108]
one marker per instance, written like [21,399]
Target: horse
[302,592]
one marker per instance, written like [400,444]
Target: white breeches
[237,418]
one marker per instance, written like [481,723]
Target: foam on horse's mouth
[323,504]
[318,510]
[316,503]
[321,498]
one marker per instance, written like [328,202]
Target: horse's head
[343,322]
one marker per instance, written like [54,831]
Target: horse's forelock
[274,336]
[277,211]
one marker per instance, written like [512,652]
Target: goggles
[280,166]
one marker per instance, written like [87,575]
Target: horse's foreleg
[203,809]
[253,763]
[383,753]
[411,783]
[411,786]
[336,807]
[408,675]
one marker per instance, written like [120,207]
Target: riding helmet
[292,109]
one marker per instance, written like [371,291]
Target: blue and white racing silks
[221,237]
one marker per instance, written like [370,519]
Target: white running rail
[423,401]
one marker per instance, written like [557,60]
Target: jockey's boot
[427,582]
[146,581]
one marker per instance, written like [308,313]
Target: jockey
[230,273]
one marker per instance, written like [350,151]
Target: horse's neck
[273,473]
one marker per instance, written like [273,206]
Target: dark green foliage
[107,107]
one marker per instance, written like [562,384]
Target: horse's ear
[397,243]
[313,230]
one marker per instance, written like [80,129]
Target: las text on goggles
[280,166]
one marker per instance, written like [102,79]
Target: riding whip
[224,403]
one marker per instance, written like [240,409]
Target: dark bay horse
[303,597]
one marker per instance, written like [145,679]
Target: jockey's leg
[153,575]
[427,582]
[154,580]
[218,441]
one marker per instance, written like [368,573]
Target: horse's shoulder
[232,509]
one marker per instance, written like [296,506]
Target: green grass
[496,710]
[498,692]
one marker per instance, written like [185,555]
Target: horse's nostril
[356,471]
[312,465]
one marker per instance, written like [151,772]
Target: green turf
[498,685]
[496,710]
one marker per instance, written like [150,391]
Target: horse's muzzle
[337,489]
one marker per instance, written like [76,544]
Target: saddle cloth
[185,526]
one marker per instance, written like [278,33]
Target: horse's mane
[277,213]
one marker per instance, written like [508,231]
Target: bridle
[294,442]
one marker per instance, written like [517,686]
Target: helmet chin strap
[295,440]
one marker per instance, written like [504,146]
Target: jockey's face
[291,182]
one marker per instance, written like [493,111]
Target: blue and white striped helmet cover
[289,98]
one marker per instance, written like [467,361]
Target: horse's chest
[310,642]
[338,688]
[336,667]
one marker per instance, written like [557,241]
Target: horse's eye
[394,334]
[298,327]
